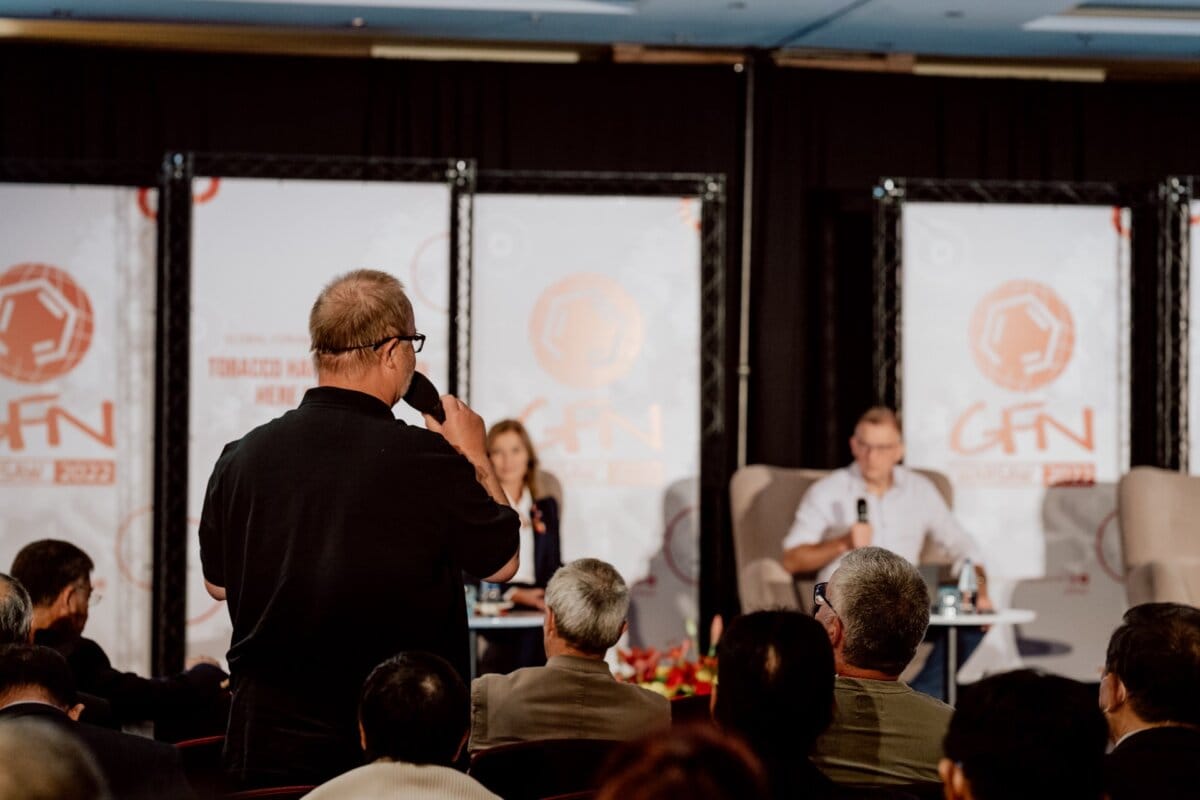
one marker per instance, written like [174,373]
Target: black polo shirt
[340,535]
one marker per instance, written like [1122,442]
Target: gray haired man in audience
[16,611]
[575,695]
[875,609]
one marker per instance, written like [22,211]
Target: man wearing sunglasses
[339,536]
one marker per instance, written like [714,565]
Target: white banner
[262,251]
[76,392]
[1015,362]
[586,326]
[1193,345]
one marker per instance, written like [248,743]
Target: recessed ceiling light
[1121,20]
[514,6]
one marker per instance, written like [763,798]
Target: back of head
[590,601]
[414,708]
[691,762]
[32,672]
[16,611]
[40,761]
[353,312]
[1156,654]
[48,566]
[776,686]
[883,604]
[1025,734]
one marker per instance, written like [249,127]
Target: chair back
[1157,511]
[691,710]
[201,759]
[276,792]
[763,502]
[542,768]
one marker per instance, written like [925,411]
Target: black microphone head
[862,509]
[423,396]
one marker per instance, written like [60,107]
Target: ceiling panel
[926,27]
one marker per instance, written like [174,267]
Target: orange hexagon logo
[1022,335]
[586,331]
[45,323]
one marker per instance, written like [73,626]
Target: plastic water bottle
[968,587]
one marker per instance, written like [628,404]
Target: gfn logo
[1022,335]
[586,331]
[45,323]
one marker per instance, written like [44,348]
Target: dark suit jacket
[546,550]
[1163,763]
[136,768]
[191,702]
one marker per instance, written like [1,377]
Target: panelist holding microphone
[876,501]
[338,534]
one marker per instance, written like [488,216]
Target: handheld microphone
[423,396]
[862,509]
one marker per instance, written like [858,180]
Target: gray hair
[884,607]
[590,601]
[16,611]
[40,761]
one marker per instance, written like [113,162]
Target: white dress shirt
[899,519]
[526,572]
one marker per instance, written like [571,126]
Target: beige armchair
[1158,511]
[763,502]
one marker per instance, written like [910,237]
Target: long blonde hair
[531,469]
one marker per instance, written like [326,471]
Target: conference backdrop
[585,325]
[1015,384]
[262,251]
[77,282]
[1193,345]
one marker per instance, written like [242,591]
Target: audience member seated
[575,694]
[58,577]
[688,762]
[776,692]
[16,611]
[39,761]
[413,718]
[1029,735]
[36,683]
[875,609]
[1150,695]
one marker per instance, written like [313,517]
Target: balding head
[352,314]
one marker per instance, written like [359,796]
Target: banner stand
[1173,305]
[174,368]
[717,582]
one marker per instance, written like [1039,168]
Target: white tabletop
[516,619]
[1006,616]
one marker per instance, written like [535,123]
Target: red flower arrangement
[672,674]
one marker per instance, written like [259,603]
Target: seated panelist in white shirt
[900,507]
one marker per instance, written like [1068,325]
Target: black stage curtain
[822,140]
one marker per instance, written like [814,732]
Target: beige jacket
[569,698]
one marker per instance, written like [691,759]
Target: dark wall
[822,140]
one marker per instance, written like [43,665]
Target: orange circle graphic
[1022,335]
[586,331]
[45,323]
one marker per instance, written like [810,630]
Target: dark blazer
[136,768]
[547,555]
[1163,763]
[191,702]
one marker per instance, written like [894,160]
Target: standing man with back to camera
[877,502]
[338,534]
